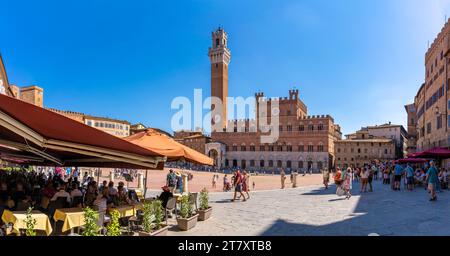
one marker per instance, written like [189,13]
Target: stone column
[185,183]
[140,181]
[111,175]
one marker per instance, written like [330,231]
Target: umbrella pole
[145,183]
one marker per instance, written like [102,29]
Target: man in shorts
[432,177]
[410,177]
[398,172]
[238,180]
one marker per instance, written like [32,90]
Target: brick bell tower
[220,56]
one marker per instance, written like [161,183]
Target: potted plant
[205,211]
[152,220]
[187,219]
[113,228]
[30,223]
[91,227]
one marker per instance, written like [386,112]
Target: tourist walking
[409,177]
[347,180]
[246,183]
[214,181]
[171,180]
[432,177]
[326,177]
[370,179]
[337,177]
[283,178]
[398,172]
[238,180]
[364,179]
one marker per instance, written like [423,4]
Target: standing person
[179,186]
[375,172]
[171,180]
[246,183]
[347,179]
[364,179]
[398,172]
[226,186]
[432,176]
[238,186]
[326,177]
[386,176]
[214,181]
[409,177]
[254,185]
[283,178]
[338,176]
[370,179]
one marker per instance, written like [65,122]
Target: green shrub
[157,211]
[113,228]
[30,223]
[186,210]
[148,217]
[91,227]
[204,199]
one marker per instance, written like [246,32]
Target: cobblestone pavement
[313,211]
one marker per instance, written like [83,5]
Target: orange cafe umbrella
[166,146]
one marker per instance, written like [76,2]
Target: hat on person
[165,188]
[178,173]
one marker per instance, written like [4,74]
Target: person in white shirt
[75,191]
[102,201]
[112,190]
[61,193]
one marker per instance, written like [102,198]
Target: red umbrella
[433,153]
[411,160]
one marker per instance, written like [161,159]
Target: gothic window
[217,42]
[261,163]
[301,128]
[279,164]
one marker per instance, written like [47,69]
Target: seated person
[75,191]
[49,191]
[61,193]
[4,194]
[19,194]
[101,202]
[112,190]
[104,185]
[165,196]
[122,196]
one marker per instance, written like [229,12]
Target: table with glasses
[17,218]
[72,218]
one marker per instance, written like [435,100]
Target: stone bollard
[185,183]
[111,176]
[294,181]
[140,181]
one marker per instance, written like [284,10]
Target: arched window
[270,163]
[279,164]
[261,163]
[289,164]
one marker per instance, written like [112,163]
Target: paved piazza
[312,211]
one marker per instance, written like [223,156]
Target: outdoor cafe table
[127,210]
[72,217]
[17,218]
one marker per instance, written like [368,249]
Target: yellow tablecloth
[72,217]
[17,218]
[125,210]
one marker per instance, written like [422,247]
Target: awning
[411,160]
[440,153]
[164,145]
[33,135]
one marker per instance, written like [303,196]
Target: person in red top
[49,191]
[238,186]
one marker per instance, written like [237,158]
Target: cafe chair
[170,206]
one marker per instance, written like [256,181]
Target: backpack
[172,180]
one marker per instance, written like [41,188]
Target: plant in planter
[205,211]
[91,227]
[152,219]
[187,219]
[113,228]
[30,223]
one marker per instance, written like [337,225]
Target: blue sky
[359,61]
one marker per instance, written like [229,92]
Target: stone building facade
[356,152]
[432,99]
[412,128]
[304,142]
[193,139]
